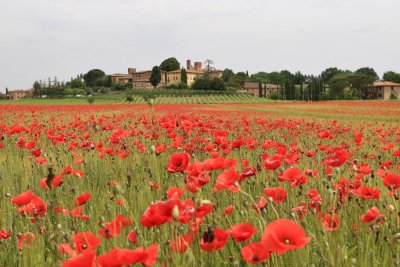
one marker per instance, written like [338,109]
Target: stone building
[19,94]
[141,79]
[381,90]
[120,78]
[253,88]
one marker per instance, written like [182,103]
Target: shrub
[90,99]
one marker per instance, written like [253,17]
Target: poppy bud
[206,202]
[391,208]
[175,212]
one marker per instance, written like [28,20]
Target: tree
[183,76]
[228,75]
[337,85]
[328,74]
[367,71]
[260,77]
[129,95]
[391,76]
[155,77]
[298,78]
[217,84]
[359,81]
[37,89]
[170,64]
[91,76]
[90,99]
[203,83]
[208,64]
[274,96]
[275,78]
[241,78]
[76,83]
[7,92]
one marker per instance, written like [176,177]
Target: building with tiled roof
[382,90]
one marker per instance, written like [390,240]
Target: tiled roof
[383,83]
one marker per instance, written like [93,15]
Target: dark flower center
[208,236]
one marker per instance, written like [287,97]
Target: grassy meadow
[344,193]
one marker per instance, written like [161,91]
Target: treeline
[330,84]
[94,80]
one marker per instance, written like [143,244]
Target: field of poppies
[274,184]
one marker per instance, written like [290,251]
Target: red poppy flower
[85,241]
[156,214]
[228,210]
[337,157]
[25,240]
[118,257]
[214,240]
[392,180]
[175,192]
[273,162]
[4,234]
[178,162]
[247,173]
[278,194]
[132,237]
[113,228]
[255,253]
[123,257]
[371,215]
[368,192]
[242,232]
[330,222]
[283,235]
[314,195]
[30,204]
[300,210]
[52,183]
[23,199]
[228,180]
[260,205]
[293,175]
[86,259]
[82,199]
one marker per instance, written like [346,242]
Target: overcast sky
[42,38]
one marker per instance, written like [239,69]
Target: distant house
[260,89]
[381,90]
[120,78]
[19,94]
[4,97]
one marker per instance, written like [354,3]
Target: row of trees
[82,84]
[332,83]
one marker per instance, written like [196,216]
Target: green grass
[288,123]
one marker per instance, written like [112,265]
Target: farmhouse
[253,88]
[381,90]
[18,94]
[120,78]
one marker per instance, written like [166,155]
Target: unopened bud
[175,212]
[391,208]
[206,202]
